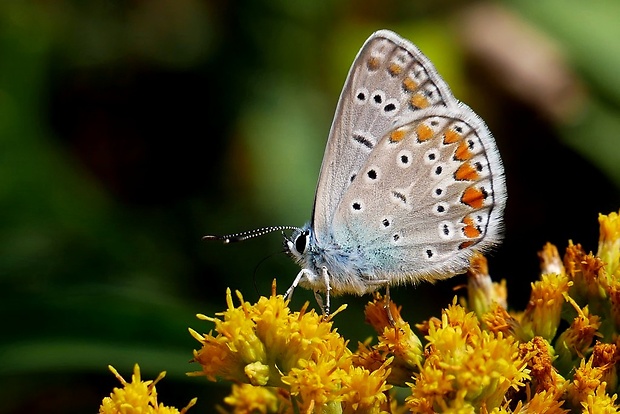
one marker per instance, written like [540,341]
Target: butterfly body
[411,182]
[346,264]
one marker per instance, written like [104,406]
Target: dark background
[129,129]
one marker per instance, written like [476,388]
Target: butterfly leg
[328,288]
[308,274]
[311,276]
[386,305]
[325,306]
[319,301]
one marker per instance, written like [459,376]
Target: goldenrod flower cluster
[559,355]
[137,396]
[297,354]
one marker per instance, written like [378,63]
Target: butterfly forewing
[389,81]
[430,192]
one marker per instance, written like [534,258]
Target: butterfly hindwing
[430,192]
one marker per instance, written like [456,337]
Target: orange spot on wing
[451,136]
[466,173]
[473,197]
[468,221]
[465,244]
[395,69]
[419,101]
[462,152]
[409,84]
[470,230]
[397,135]
[424,132]
[373,63]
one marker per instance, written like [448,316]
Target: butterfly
[411,184]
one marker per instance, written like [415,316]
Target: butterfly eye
[301,242]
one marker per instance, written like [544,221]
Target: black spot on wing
[363,140]
[399,196]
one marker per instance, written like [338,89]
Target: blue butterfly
[411,184]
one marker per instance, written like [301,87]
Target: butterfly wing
[430,192]
[389,81]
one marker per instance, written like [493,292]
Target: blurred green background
[129,129]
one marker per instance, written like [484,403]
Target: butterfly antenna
[259,264]
[237,237]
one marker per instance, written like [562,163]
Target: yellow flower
[544,402]
[497,319]
[236,346]
[137,396]
[589,387]
[599,402]
[613,291]
[584,270]
[547,402]
[246,398]
[586,380]
[537,355]
[550,261]
[317,384]
[382,313]
[607,356]
[330,378]
[609,243]
[365,391]
[542,315]
[257,343]
[368,357]
[575,341]
[396,338]
[267,344]
[589,381]
[465,368]
[481,290]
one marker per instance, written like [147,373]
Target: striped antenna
[231,238]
